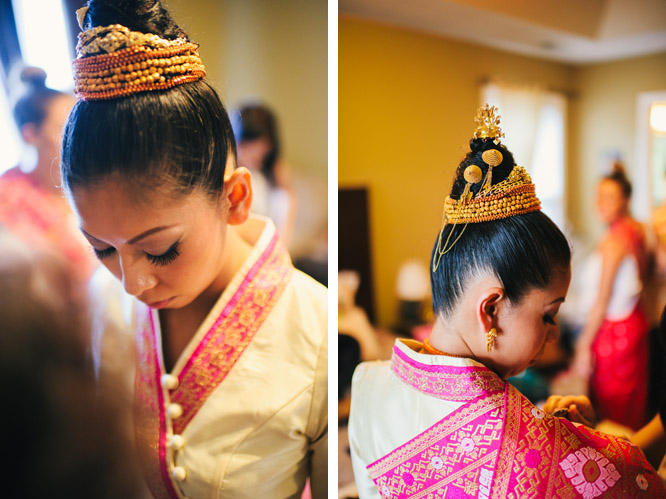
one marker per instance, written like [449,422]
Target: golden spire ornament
[487,124]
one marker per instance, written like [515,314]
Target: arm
[612,254]
[652,441]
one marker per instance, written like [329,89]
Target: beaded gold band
[513,196]
[128,62]
[136,69]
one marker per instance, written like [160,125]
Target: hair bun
[34,77]
[618,168]
[476,144]
[146,16]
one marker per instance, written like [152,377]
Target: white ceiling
[571,31]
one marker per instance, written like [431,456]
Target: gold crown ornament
[114,61]
[515,195]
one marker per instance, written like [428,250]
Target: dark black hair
[180,136]
[31,106]
[522,251]
[619,176]
[257,122]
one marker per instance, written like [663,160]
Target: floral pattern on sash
[499,446]
[211,361]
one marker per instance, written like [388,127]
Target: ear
[29,133]
[487,307]
[238,195]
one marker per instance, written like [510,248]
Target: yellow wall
[272,51]
[406,104]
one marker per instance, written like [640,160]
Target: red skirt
[619,381]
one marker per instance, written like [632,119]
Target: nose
[137,277]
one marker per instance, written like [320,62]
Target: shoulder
[308,300]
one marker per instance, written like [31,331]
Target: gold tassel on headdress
[473,175]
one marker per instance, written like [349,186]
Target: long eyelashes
[105,253]
[549,319]
[160,260]
[165,258]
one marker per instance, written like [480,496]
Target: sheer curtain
[533,121]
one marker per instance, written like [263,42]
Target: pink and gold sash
[499,445]
[212,359]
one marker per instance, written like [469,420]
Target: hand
[579,408]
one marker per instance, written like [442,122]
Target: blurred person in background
[612,349]
[62,439]
[32,204]
[259,150]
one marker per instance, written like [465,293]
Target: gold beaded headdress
[512,196]
[113,61]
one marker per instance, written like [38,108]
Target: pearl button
[177,442]
[169,381]
[174,411]
[179,473]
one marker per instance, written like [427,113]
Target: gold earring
[490,338]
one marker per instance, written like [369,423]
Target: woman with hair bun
[439,419]
[612,348]
[32,205]
[227,340]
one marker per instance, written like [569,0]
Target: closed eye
[105,253]
[549,319]
[165,258]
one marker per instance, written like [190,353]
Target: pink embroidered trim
[445,382]
[233,330]
[164,467]
[149,415]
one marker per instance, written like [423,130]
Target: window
[42,35]
[533,120]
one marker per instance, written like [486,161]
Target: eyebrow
[560,299]
[135,239]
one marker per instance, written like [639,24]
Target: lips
[160,304]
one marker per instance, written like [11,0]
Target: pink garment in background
[44,221]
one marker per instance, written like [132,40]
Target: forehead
[122,207]
[608,186]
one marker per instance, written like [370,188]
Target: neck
[236,251]
[446,338]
